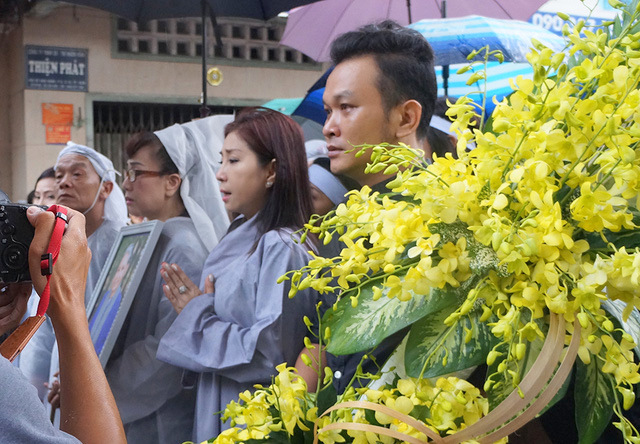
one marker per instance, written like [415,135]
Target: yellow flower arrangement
[476,254]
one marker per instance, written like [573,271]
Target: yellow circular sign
[214,76]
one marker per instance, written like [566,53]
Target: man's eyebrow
[73,166]
[133,162]
[345,94]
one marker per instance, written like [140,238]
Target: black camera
[16,233]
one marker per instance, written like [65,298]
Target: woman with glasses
[170,177]
[242,324]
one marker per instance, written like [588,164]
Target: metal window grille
[115,123]
[241,40]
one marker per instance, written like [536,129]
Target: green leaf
[594,398]
[558,396]
[431,343]
[482,258]
[367,325]
[420,412]
[327,397]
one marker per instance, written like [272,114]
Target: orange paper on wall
[57,114]
[58,134]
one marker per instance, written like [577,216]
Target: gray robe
[236,336]
[39,359]
[22,417]
[154,406]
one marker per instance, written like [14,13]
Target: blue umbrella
[498,85]
[285,106]
[453,39]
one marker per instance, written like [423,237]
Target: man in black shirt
[382,90]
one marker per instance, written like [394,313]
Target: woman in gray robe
[244,324]
[164,181]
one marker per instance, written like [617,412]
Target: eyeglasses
[132,175]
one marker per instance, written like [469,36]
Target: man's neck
[372,180]
[93,220]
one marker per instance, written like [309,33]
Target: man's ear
[106,189]
[172,184]
[409,114]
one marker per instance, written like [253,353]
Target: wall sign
[56,68]
[57,118]
[57,134]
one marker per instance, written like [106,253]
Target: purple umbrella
[311,29]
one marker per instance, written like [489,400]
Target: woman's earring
[269,184]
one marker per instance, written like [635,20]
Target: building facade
[82,74]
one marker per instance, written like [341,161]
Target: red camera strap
[14,344]
[48,259]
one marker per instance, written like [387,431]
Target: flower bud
[583,318]
[608,325]
[491,357]
[628,397]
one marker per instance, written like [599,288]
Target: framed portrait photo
[118,283]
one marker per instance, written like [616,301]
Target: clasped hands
[179,289]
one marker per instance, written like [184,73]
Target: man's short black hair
[405,60]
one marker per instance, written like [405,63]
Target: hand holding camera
[70,271]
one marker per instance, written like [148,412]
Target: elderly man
[85,181]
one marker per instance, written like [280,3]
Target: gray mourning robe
[154,406]
[236,336]
[23,419]
[39,359]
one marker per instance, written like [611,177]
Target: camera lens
[15,256]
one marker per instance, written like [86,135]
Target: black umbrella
[142,11]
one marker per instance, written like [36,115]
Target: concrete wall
[11,104]
[22,134]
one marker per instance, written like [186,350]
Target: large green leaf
[558,396]
[595,397]
[356,329]
[327,397]
[444,347]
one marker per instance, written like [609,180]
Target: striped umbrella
[453,39]
[498,81]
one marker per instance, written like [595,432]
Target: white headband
[315,148]
[195,149]
[441,124]
[327,183]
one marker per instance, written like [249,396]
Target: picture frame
[118,283]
